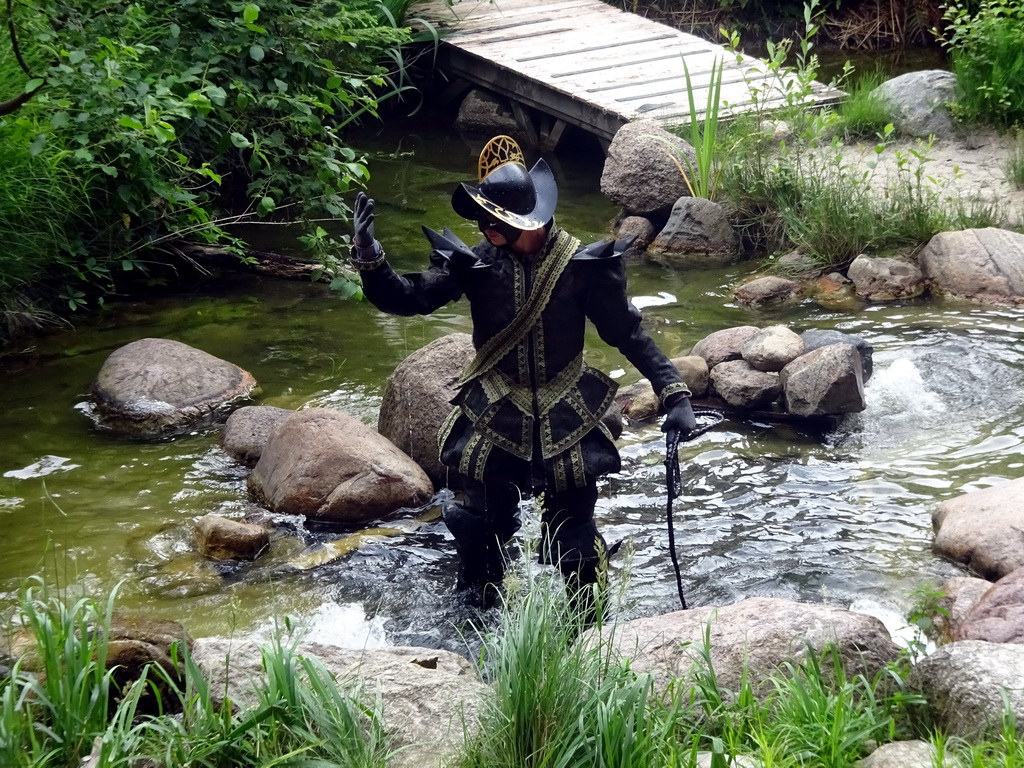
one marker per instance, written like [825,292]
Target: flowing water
[768,510]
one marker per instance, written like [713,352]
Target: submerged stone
[154,387]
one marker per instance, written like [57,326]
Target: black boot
[482,564]
[579,552]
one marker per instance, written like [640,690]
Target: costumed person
[527,417]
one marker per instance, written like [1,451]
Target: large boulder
[247,430]
[884,279]
[697,235]
[758,634]
[329,466]
[431,700]
[826,381]
[983,530]
[984,265]
[154,387]
[641,174]
[967,685]
[998,616]
[918,102]
[417,399]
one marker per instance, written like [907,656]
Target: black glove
[362,223]
[680,419]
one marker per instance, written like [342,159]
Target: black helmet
[523,199]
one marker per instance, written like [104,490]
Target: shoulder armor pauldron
[604,249]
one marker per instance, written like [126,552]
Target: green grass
[863,114]
[560,699]
[1014,167]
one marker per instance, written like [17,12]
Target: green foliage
[984,43]
[67,708]
[802,192]
[179,118]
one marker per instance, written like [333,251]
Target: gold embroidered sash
[499,345]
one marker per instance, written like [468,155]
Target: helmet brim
[470,202]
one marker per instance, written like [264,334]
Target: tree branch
[15,47]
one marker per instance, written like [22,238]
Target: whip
[674,480]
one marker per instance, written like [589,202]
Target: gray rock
[224,539]
[772,348]
[769,289]
[797,264]
[826,381]
[484,113]
[697,235]
[761,634]
[417,399]
[719,346]
[694,370]
[743,386]
[637,402]
[247,430]
[640,173]
[918,101]
[885,279]
[960,594]
[998,616]
[640,227]
[983,530]
[901,754]
[154,387]
[984,265]
[707,760]
[965,683]
[430,699]
[814,339]
[329,466]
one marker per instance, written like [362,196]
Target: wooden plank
[588,64]
[504,28]
[564,106]
[488,13]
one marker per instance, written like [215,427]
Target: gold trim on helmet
[499,151]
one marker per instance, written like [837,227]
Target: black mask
[510,233]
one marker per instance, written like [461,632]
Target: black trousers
[489,516]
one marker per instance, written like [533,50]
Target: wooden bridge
[587,64]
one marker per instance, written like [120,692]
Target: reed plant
[1014,166]
[703,173]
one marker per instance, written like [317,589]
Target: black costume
[528,413]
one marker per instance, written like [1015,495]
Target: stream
[768,509]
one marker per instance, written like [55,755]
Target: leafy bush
[988,60]
[181,117]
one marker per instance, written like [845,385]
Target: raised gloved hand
[680,420]
[365,245]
